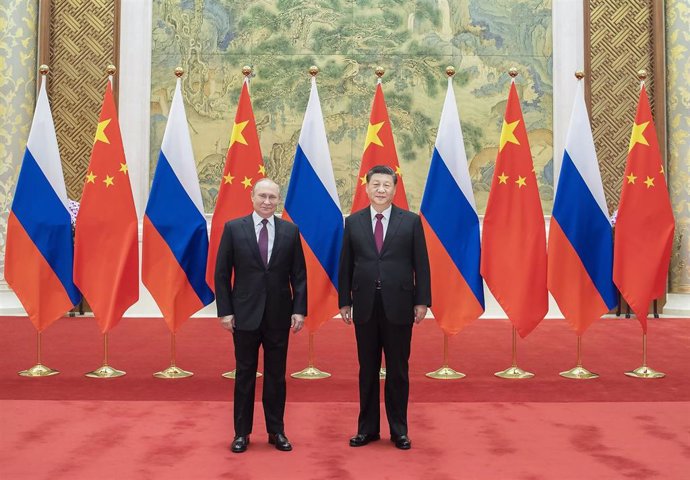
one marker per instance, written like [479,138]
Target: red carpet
[480,427]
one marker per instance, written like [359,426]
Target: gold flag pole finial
[450,70]
[580,74]
[246,70]
[44,69]
[379,71]
[313,70]
[110,69]
[642,74]
[513,72]
[179,71]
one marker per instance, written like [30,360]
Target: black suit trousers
[372,336]
[275,344]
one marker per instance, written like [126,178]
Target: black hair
[382,169]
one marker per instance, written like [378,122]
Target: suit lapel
[250,233]
[365,222]
[277,240]
[393,224]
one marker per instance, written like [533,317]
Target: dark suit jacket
[402,266]
[279,290]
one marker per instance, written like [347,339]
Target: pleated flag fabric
[580,248]
[312,203]
[38,250]
[175,239]
[449,215]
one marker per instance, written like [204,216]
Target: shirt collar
[257,219]
[386,213]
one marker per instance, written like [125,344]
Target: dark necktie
[378,232]
[263,242]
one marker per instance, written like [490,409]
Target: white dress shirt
[270,226]
[386,217]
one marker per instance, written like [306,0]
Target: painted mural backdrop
[413,40]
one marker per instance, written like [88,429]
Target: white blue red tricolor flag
[312,203]
[580,247]
[175,243]
[451,226]
[39,254]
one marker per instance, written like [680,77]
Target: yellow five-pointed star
[100,132]
[123,168]
[637,135]
[508,134]
[108,181]
[521,181]
[90,178]
[247,182]
[649,182]
[373,135]
[502,178]
[398,171]
[631,178]
[237,136]
[363,180]
[228,178]
[262,170]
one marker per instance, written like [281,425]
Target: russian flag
[39,252]
[175,241]
[451,227]
[312,203]
[580,248]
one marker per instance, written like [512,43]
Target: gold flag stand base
[106,371]
[645,372]
[514,372]
[445,373]
[173,372]
[38,370]
[382,373]
[579,373]
[311,372]
[233,373]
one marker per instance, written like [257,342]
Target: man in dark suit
[268,296]
[384,279]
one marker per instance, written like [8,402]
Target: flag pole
[38,370]
[644,371]
[105,371]
[514,372]
[445,372]
[579,372]
[173,371]
[311,372]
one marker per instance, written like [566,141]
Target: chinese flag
[513,261]
[379,149]
[644,226]
[243,167]
[106,255]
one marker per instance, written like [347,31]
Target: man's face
[381,190]
[265,198]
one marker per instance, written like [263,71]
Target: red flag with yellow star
[244,166]
[644,225]
[379,149]
[513,261]
[106,254]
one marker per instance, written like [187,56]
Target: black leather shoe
[280,441]
[401,441]
[362,439]
[239,444]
